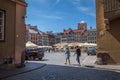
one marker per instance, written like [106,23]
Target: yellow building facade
[108,26]
[13,31]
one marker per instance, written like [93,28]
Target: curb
[11,75]
[107,69]
[97,67]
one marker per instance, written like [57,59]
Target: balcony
[111,9]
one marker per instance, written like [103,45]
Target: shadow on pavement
[58,72]
[29,66]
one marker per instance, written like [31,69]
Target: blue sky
[56,15]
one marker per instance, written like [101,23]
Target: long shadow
[79,73]
[61,72]
[29,66]
[44,59]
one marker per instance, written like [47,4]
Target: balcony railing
[111,5]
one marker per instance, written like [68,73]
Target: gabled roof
[74,31]
[33,31]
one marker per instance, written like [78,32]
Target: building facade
[32,34]
[45,39]
[58,37]
[82,26]
[38,37]
[91,35]
[51,38]
[12,31]
[108,26]
[40,33]
[76,35]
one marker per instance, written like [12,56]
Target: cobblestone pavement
[56,70]
[59,58]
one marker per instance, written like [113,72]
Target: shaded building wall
[15,33]
[108,40]
[20,28]
[114,40]
[7,47]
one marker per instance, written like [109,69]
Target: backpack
[78,51]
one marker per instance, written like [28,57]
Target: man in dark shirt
[78,54]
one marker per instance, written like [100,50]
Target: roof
[75,31]
[32,31]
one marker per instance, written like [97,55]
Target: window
[2,25]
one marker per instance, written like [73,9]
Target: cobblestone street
[59,58]
[56,70]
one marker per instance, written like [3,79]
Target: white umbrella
[89,45]
[61,44]
[58,44]
[93,44]
[29,44]
[81,44]
[73,44]
[40,46]
[86,44]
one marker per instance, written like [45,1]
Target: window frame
[2,39]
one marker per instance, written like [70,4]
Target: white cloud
[92,0]
[57,1]
[76,2]
[39,1]
[83,8]
[52,17]
[91,14]
[82,21]
[88,9]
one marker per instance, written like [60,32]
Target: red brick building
[77,35]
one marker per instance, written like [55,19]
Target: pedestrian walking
[78,54]
[49,50]
[67,53]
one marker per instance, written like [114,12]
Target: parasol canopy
[29,44]
[89,45]
[61,44]
[74,44]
